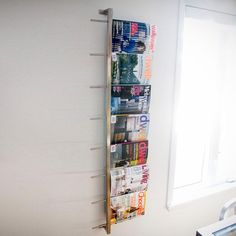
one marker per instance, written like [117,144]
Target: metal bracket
[98,201]
[96,148]
[97,86]
[97,176]
[99,226]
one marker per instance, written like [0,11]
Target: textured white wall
[45,127]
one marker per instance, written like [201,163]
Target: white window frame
[196,192]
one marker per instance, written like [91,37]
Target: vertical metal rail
[109,13]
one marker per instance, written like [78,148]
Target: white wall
[45,127]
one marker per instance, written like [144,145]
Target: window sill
[188,194]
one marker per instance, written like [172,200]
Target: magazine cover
[131,68]
[133,37]
[128,206]
[129,179]
[129,154]
[129,99]
[129,128]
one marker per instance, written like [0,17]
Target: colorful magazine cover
[131,68]
[128,206]
[129,128]
[133,37]
[130,99]
[129,179]
[129,154]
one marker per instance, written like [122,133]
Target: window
[203,150]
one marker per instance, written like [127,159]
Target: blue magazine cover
[132,37]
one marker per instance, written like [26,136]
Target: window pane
[227,155]
[202,76]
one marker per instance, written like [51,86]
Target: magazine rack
[109,14]
[130,46]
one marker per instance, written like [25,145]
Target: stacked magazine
[131,68]
[130,99]
[128,206]
[133,37]
[129,154]
[129,128]
[129,179]
[132,53]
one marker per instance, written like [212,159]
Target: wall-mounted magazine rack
[109,15]
[130,46]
